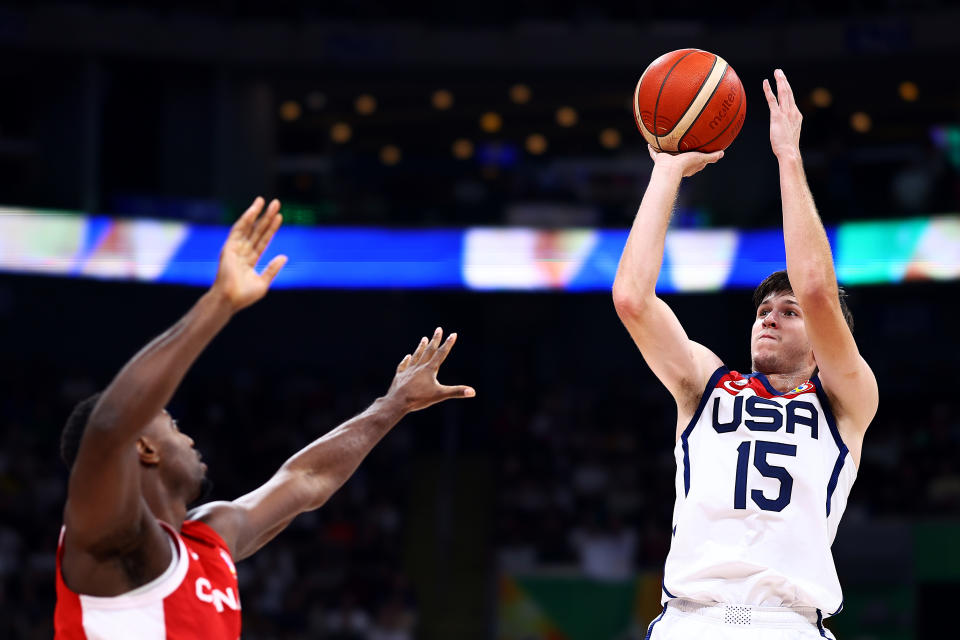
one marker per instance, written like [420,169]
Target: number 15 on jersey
[762,449]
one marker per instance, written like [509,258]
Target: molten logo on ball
[724,108]
[689,100]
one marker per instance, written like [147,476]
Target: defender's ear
[147,451]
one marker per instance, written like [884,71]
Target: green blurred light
[953,145]
[871,252]
[299,215]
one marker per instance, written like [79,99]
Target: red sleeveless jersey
[198,600]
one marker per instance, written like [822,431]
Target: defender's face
[778,340]
[181,464]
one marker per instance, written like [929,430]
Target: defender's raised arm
[105,509]
[308,479]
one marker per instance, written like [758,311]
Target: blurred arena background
[473,166]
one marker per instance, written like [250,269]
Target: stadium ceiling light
[567,116]
[390,155]
[462,149]
[861,122]
[610,138]
[365,104]
[491,122]
[442,99]
[341,132]
[290,110]
[536,144]
[821,97]
[909,92]
[520,93]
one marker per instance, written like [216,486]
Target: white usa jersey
[762,481]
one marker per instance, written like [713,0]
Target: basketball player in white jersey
[765,459]
[132,561]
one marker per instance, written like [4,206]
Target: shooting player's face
[778,340]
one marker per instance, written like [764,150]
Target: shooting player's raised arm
[846,377]
[682,365]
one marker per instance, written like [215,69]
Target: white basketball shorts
[688,620]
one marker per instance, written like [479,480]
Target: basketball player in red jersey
[765,460]
[132,561]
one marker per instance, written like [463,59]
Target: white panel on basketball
[671,141]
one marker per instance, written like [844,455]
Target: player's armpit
[854,395]
[682,365]
[845,375]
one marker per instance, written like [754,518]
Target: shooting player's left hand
[785,117]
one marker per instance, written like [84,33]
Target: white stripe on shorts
[747,615]
[683,619]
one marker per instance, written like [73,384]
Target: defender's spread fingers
[273,268]
[264,240]
[444,350]
[265,222]
[458,391]
[418,352]
[244,224]
[434,343]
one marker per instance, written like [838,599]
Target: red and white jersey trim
[734,382]
[156,593]
[196,598]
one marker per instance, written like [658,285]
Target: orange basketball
[689,100]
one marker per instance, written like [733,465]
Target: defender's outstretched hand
[687,163]
[785,117]
[415,385]
[237,278]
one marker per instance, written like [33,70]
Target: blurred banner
[492,259]
[552,607]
